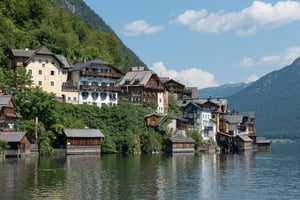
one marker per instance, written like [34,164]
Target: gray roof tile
[12,136]
[87,133]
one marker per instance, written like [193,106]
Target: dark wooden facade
[180,145]
[173,87]
[8,116]
[19,143]
[152,120]
[243,142]
[83,141]
[142,87]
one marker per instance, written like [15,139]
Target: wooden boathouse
[83,141]
[180,145]
[19,143]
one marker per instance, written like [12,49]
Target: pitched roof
[43,51]
[83,133]
[22,53]
[4,99]
[29,54]
[245,138]
[63,60]
[172,80]
[12,136]
[234,119]
[141,76]
[182,140]
[90,63]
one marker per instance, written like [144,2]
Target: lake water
[249,175]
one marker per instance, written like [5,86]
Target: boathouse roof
[83,133]
[12,136]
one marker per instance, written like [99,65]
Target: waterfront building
[95,82]
[83,141]
[19,143]
[205,115]
[8,115]
[48,70]
[173,87]
[142,86]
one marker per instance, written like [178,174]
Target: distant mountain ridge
[222,91]
[275,98]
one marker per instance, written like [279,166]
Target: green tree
[173,107]
[196,136]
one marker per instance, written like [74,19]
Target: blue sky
[209,42]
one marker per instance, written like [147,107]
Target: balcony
[100,88]
[69,87]
[101,74]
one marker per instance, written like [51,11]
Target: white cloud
[269,60]
[252,78]
[140,27]
[190,17]
[247,62]
[190,77]
[291,54]
[282,59]
[258,15]
[248,32]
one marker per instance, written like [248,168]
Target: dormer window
[136,81]
[127,82]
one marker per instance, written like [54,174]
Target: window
[69,98]
[74,98]
[65,71]
[30,71]
[40,60]
[95,95]
[103,95]
[84,82]
[52,73]
[40,83]
[40,72]
[33,60]
[84,95]
[46,61]
[43,65]
[52,83]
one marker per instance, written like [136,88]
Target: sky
[207,43]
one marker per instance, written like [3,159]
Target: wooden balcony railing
[101,74]
[100,88]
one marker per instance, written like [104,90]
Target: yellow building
[48,70]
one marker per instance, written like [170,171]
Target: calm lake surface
[260,175]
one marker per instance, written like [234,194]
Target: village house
[8,116]
[140,86]
[48,70]
[83,141]
[190,93]
[205,115]
[95,82]
[180,145]
[19,143]
[173,87]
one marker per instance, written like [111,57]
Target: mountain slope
[31,24]
[222,91]
[88,15]
[276,100]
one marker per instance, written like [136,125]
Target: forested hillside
[275,99]
[30,24]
